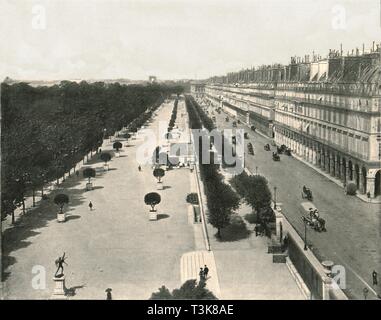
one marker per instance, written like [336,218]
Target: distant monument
[152,79]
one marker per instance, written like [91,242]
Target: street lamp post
[256,171]
[275,198]
[305,233]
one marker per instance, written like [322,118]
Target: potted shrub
[159,173]
[192,199]
[106,157]
[89,173]
[60,200]
[351,189]
[152,199]
[127,136]
[117,145]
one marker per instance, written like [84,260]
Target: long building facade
[327,110]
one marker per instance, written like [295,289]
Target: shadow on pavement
[73,217]
[36,218]
[71,292]
[162,216]
[236,231]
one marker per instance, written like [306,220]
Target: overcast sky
[173,39]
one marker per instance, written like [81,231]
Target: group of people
[204,273]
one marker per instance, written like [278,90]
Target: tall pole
[305,235]
[275,198]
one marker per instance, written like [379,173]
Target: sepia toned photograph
[160,150]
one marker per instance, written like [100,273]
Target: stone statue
[59,264]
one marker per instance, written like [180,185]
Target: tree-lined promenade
[46,131]
[113,244]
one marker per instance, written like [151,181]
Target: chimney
[341,49]
[373,47]
[363,48]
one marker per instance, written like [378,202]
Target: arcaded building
[326,109]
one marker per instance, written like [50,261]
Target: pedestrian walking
[139,168]
[206,271]
[77,173]
[108,294]
[201,274]
[90,205]
[375,278]
[365,292]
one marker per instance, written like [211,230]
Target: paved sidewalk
[191,263]
[245,269]
[115,245]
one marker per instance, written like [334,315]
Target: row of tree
[255,191]
[173,116]
[46,131]
[221,199]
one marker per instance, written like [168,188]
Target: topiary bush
[60,200]
[192,198]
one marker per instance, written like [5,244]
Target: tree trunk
[58,181]
[23,205]
[34,197]
[219,233]
[42,191]
[13,217]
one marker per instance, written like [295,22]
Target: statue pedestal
[59,288]
[89,186]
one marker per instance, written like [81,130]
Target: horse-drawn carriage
[307,194]
[250,148]
[276,156]
[253,128]
[234,124]
[283,149]
[267,147]
[246,135]
[227,119]
[312,217]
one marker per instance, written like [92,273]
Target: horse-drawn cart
[311,217]
[276,157]
[307,194]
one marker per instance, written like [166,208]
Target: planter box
[89,186]
[61,217]
[117,154]
[153,215]
[160,185]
